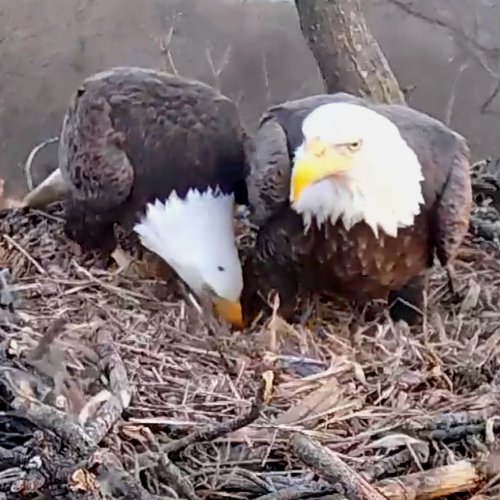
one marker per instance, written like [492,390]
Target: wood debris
[114,386]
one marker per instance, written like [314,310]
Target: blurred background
[445,53]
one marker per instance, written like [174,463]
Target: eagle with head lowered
[165,156]
[356,199]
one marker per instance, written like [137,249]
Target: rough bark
[348,56]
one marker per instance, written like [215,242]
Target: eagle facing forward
[165,156]
[356,199]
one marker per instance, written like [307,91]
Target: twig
[31,157]
[165,43]
[329,466]
[454,30]
[479,51]
[47,417]
[223,428]
[8,296]
[51,333]
[454,433]
[450,105]
[124,293]
[493,95]
[38,267]
[301,491]
[15,457]
[452,425]
[436,483]
[217,70]
[120,483]
[173,476]
[104,419]
[388,466]
[110,362]
[267,82]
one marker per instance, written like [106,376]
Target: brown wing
[447,188]
[91,153]
[270,170]
[152,131]
[454,208]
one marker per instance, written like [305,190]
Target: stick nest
[116,387]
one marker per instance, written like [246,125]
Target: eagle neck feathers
[195,235]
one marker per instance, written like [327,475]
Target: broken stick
[330,467]
[116,480]
[460,477]
[121,392]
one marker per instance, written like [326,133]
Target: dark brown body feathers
[132,135]
[354,264]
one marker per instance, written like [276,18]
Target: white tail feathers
[52,189]
[195,236]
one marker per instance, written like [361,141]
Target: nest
[113,386]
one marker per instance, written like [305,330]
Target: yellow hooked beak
[319,161]
[229,311]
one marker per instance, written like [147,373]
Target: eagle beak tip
[230,311]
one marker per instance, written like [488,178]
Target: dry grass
[387,399]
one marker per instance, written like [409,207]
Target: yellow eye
[354,146]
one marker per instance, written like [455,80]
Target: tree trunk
[348,56]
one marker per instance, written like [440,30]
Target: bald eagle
[356,199]
[161,155]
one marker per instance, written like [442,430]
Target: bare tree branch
[165,47]
[486,56]
[217,70]
[450,105]
[265,73]
[457,32]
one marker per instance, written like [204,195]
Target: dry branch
[486,56]
[112,364]
[224,428]
[73,466]
[116,480]
[31,157]
[453,425]
[301,491]
[437,483]
[172,475]
[47,417]
[218,70]
[165,43]
[463,476]
[389,466]
[329,466]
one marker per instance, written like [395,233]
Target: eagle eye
[355,146]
